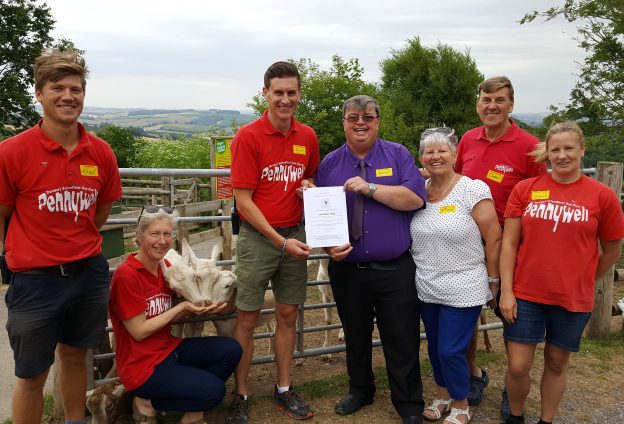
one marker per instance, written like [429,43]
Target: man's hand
[338,253]
[305,184]
[297,249]
[357,185]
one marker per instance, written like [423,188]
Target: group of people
[487,226]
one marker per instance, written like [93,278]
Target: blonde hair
[541,151]
[54,65]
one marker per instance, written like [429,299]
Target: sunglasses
[446,131]
[354,119]
[154,209]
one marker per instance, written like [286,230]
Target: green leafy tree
[322,96]
[123,142]
[428,86]
[186,153]
[598,95]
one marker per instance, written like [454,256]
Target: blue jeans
[192,378]
[537,322]
[449,331]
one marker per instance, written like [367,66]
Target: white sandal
[455,412]
[434,408]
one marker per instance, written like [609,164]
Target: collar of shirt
[510,135]
[53,146]
[269,129]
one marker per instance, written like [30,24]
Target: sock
[283,389]
[74,422]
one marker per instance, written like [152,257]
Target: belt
[63,270]
[282,231]
[389,265]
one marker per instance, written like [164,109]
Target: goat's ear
[118,390]
[214,256]
[90,392]
[187,253]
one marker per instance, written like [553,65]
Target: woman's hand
[508,307]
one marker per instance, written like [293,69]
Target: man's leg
[72,380]
[286,317]
[245,325]
[28,399]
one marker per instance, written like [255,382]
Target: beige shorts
[258,261]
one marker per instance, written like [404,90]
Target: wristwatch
[372,188]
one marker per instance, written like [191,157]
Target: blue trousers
[192,378]
[449,331]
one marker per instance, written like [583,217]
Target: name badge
[384,172]
[540,195]
[89,170]
[448,209]
[495,176]
[299,150]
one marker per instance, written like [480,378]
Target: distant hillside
[160,122]
[531,118]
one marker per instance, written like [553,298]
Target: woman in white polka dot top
[455,245]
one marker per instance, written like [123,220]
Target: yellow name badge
[384,172]
[540,195]
[89,170]
[495,176]
[448,209]
[299,150]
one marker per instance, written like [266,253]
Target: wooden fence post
[166,185]
[182,229]
[226,231]
[610,174]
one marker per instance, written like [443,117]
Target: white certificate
[325,211]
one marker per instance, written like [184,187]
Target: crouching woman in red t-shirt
[160,370]
[549,262]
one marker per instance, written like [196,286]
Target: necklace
[441,195]
[569,180]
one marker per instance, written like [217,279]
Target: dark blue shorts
[45,309]
[537,322]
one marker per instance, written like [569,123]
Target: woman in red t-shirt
[549,263]
[160,370]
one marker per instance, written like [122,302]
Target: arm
[5,212]
[253,215]
[611,251]
[509,250]
[102,211]
[396,197]
[141,328]
[484,215]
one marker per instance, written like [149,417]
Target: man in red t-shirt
[498,154]
[57,184]
[272,158]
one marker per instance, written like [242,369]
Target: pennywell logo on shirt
[287,172]
[68,199]
[557,211]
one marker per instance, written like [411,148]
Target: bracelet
[284,245]
[493,280]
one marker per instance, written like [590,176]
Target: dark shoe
[477,387]
[238,411]
[412,419]
[505,410]
[292,403]
[512,419]
[351,403]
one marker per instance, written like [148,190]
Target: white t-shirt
[448,250]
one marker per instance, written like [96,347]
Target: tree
[123,142]
[186,153]
[424,87]
[323,94]
[599,93]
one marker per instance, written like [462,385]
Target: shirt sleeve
[611,221]
[459,161]
[313,162]
[244,168]
[111,189]
[515,204]
[476,191]
[127,298]
[8,190]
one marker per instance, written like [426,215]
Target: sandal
[434,407]
[453,417]
[140,418]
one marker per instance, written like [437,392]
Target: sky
[213,54]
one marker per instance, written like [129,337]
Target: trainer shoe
[513,419]
[505,410]
[292,404]
[238,410]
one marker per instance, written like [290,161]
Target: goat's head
[106,403]
[180,277]
[224,288]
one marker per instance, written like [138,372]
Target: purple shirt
[385,231]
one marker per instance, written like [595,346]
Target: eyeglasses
[445,131]
[354,119]
[154,209]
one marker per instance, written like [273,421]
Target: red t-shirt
[135,291]
[273,165]
[54,196]
[501,163]
[561,225]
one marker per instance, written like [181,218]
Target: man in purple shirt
[373,275]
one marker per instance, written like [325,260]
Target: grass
[48,408]
[606,349]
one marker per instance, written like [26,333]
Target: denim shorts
[45,309]
[537,322]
